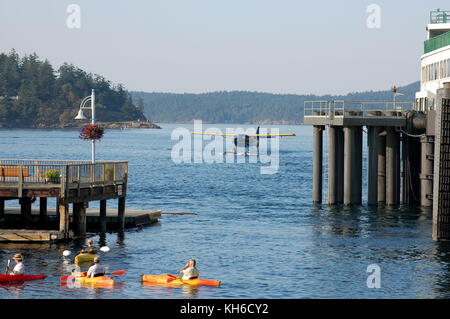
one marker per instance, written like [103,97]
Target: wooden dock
[133,219]
[72,183]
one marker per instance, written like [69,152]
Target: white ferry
[435,62]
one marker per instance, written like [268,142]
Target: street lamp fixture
[81,116]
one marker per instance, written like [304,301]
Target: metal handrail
[439,16]
[14,171]
[336,108]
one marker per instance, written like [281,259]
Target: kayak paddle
[7,267]
[114,273]
[173,277]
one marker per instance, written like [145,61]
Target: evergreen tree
[51,99]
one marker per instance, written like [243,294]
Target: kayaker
[96,269]
[90,248]
[190,271]
[19,268]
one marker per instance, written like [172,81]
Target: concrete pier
[317,164]
[408,157]
[441,185]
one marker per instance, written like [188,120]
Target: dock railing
[340,108]
[60,173]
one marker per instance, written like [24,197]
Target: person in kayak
[19,268]
[96,269]
[190,271]
[90,248]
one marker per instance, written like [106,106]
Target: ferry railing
[437,42]
[439,16]
[61,174]
[335,108]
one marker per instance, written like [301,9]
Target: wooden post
[103,215]
[79,219]
[75,217]
[42,211]
[2,212]
[121,213]
[63,218]
[25,211]
[57,208]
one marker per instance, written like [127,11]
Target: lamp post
[81,116]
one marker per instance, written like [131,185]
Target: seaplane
[245,140]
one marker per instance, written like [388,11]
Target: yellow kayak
[176,280]
[101,280]
[84,258]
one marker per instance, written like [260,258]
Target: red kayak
[20,278]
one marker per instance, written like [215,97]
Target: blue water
[258,234]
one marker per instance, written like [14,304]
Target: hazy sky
[194,46]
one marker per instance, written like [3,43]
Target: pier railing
[339,108]
[60,173]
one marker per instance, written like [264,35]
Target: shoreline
[106,125]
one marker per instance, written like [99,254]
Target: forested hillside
[34,94]
[245,107]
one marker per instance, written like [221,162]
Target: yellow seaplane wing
[253,135]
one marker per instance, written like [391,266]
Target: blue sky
[195,46]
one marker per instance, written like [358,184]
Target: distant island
[246,107]
[35,95]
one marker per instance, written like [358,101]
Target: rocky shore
[117,125]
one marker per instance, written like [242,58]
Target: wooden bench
[10,171]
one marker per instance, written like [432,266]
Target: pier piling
[63,212]
[381,159]
[392,167]
[121,213]
[349,168]
[25,211]
[373,147]
[2,211]
[357,183]
[426,172]
[332,165]
[103,215]
[42,211]
[317,164]
[79,219]
[340,164]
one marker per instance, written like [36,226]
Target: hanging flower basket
[92,132]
